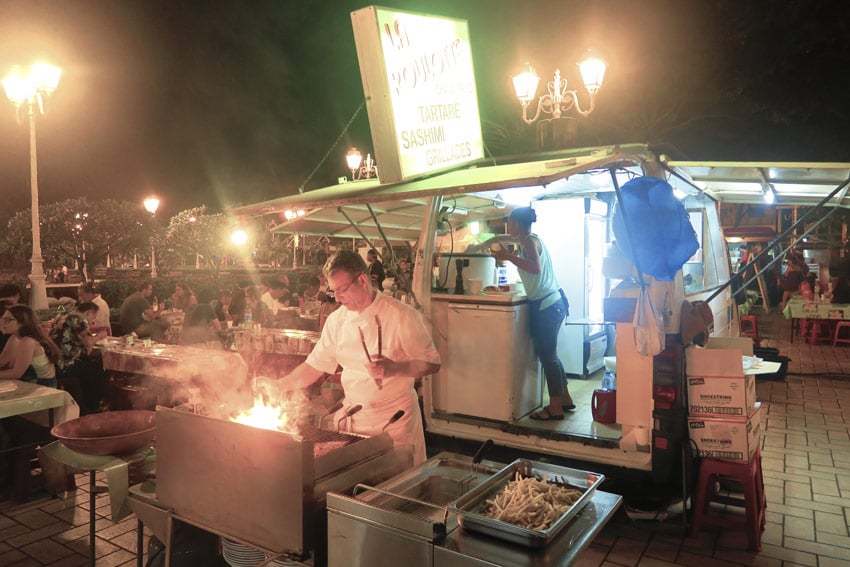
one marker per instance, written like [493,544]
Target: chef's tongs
[378,382]
[479,455]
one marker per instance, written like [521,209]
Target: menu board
[420,92]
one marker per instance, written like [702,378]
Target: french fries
[531,503]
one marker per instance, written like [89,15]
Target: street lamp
[354,159]
[28,93]
[193,220]
[239,237]
[151,205]
[559,99]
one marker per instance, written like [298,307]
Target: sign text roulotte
[420,91]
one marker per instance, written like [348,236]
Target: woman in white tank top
[25,356]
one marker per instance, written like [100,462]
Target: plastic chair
[820,331]
[838,337]
[748,476]
[749,327]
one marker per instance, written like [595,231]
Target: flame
[277,417]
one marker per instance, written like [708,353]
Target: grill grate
[323,435]
[325,442]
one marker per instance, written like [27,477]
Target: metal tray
[468,507]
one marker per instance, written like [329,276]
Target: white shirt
[102,319]
[404,337]
[270,302]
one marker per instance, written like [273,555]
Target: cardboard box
[721,396]
[717,385]
[728,439]
[619,309]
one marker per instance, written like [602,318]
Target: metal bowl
[108,433]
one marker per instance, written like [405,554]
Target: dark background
[224,102]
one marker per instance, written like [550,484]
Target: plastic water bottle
[609,382]
[249,316]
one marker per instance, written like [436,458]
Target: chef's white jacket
[404,337]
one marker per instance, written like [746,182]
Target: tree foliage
[192,232]
[79,231]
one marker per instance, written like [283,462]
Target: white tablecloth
[34,402]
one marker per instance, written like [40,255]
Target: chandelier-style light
[558,99]
[361,169]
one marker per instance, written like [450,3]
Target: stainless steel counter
[407,518]
[462,548]
[495,299]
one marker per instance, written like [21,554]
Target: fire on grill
[287,414]
[259,484]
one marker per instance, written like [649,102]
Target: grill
[261,487]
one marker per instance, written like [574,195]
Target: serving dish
[469,507]
[108,433]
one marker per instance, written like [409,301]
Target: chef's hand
[381,367]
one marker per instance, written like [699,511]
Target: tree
[194,232]
[79,231]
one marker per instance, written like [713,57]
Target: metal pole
[92,518]
[38,283]
[153,261]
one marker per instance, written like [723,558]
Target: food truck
[438,192]
[490,380]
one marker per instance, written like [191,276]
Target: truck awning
[470,194]
[794,183]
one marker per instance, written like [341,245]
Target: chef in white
[400,350]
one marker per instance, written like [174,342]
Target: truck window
[703,270]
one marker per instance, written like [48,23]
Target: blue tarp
[662,237]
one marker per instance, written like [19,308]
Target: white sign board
[420,91]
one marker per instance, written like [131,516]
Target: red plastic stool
[839,338]
[748,476]
[820,331]
[749,327]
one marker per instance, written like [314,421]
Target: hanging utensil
[396,416]
[334,408]
[351,411]
[479,454]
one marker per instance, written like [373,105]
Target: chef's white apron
[404,337]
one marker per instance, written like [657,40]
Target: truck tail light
[664,396]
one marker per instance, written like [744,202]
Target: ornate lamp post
[151,205]
[29,93]
[558,99]
[354,159]
[193,220]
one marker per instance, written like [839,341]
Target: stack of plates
[240,555]
[280,562]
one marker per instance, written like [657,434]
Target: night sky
[232,102]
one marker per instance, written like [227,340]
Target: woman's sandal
[544,415]
[568,407]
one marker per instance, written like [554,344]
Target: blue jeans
[545,325]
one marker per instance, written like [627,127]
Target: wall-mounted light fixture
[768,193]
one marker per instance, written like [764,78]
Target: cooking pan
[108,433]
